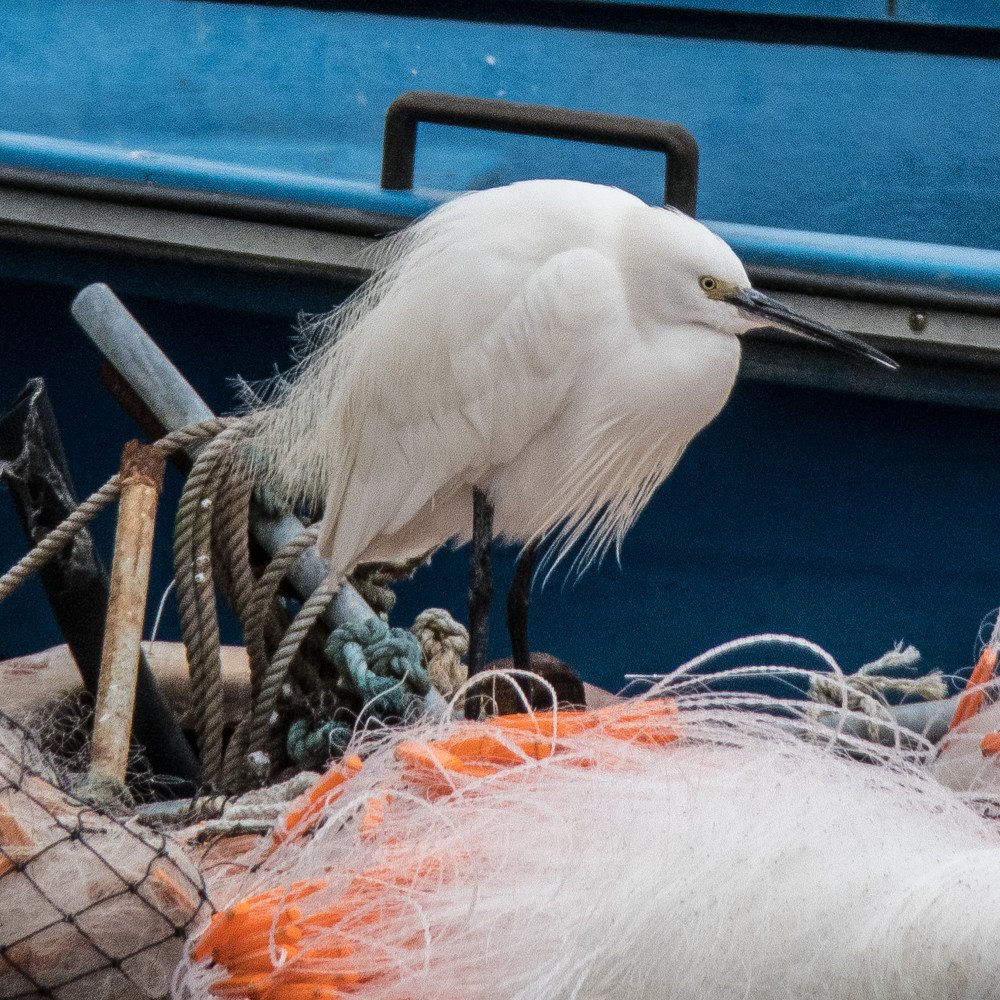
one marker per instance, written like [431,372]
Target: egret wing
[461,399]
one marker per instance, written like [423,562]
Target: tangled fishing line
[689,843]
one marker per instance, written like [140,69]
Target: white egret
[550,347]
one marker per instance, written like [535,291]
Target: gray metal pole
[172,400]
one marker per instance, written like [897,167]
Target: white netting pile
[656,849]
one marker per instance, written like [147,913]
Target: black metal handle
[400,145]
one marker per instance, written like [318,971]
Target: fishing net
[682,846]
[93,906]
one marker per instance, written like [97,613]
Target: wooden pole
[34,470]
[141,479]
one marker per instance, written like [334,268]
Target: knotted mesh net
[91,905]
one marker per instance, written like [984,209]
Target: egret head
[681,272]
[664,255]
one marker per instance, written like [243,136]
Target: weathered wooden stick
[175,404]
[36,474]
[141,481]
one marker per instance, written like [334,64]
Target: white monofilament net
[718,853]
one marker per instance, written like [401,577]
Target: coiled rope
[193,569]
[387,670]
[253,735]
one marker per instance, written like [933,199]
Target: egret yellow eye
[708,283]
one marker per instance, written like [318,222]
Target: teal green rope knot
[383,665]
[312,749]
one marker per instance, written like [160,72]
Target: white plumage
[555,344]
[502,348]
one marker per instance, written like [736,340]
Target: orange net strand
[269,950]
[972,698]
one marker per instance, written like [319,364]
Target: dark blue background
[855,522]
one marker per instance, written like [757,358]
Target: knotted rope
[389,672]
[444,642]
[865,689]
[382,665]
[312,748]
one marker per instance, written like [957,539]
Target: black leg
[518,600]
[480,580]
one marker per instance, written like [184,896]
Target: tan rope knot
[865,690]
[444,642]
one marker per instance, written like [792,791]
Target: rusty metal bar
[141,479]
[406,111]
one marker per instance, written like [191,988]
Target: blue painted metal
[932,266]
[925,264]
[884,144]
[945,12]
[178,170]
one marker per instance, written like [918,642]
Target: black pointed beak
[752,303]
